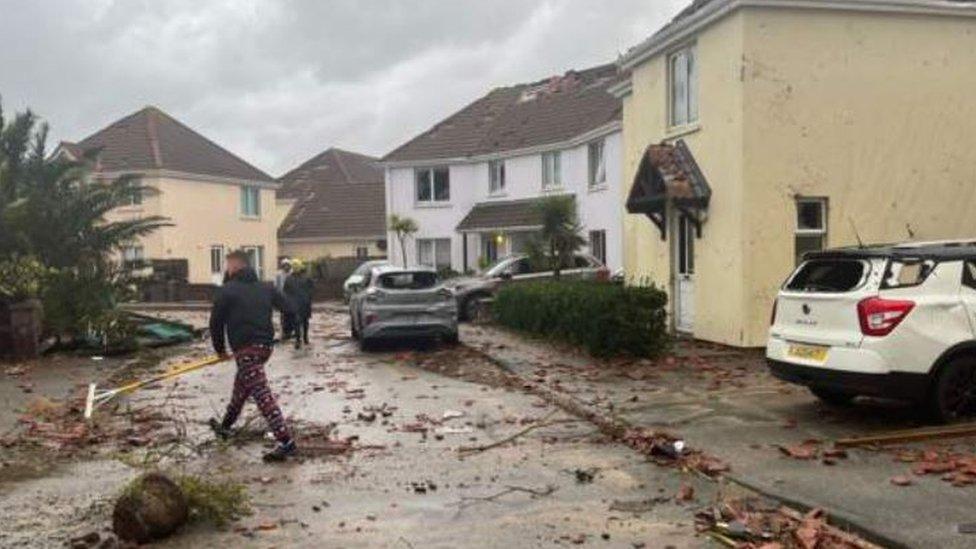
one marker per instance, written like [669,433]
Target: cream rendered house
[215,201]
[757,130]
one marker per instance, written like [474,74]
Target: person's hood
[246,275]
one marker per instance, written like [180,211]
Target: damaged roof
[545,112]
[150,139]
[339,194]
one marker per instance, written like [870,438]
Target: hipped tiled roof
[339,194]
[150,139]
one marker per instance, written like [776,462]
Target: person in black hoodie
[298,289]
[242,313]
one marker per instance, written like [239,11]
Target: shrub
[605,319]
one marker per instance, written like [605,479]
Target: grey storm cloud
[279,81]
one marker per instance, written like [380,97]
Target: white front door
[684,279]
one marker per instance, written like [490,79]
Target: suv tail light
[880,316]
[603,274]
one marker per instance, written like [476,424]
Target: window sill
[675,132]
[431,205]
[554,189]
[500,194]
[250,217]
[597,188]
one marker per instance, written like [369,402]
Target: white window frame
[820,232]
[496,177]
[682,68]
[599,251]
[596,174]
[431,180]
[256,259]
[247,193]
[133,252]
[552,177]
[435,246]
[820,201]
[218,267]
[134,200]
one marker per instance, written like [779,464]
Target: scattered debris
[477,449]
[585,476]
[751,524]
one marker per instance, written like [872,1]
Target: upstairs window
[134,199]
[250,202]
[496,176]
[432,185]
[811,226]
[597,163]
[683,87]
[552,170]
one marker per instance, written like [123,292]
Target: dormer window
[683,87]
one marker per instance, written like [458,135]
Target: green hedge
[605,319]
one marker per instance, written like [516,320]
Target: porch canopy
[669,174]
[500,221]
[502,216]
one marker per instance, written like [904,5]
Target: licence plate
[813,353]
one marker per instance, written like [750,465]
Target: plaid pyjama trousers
[251,382]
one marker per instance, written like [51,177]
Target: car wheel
[469,309]
[832,396]
[365,345]
[954,391]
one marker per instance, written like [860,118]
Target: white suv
[894,322]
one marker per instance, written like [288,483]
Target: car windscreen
[498,267]
[421,280]
[828,276]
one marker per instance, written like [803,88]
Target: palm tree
[53,216]
[54,210]
[561,230]
[403,227]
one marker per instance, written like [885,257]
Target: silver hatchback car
[402,303]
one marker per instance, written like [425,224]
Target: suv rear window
[828,276]
[408,281]
[906,273]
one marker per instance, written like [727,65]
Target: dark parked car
[517,268]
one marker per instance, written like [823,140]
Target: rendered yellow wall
[314,250]
[204,214]
[717,146]
[875,112]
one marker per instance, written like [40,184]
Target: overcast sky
[279,81]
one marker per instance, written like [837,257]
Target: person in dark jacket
[298,289]
[242,314]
